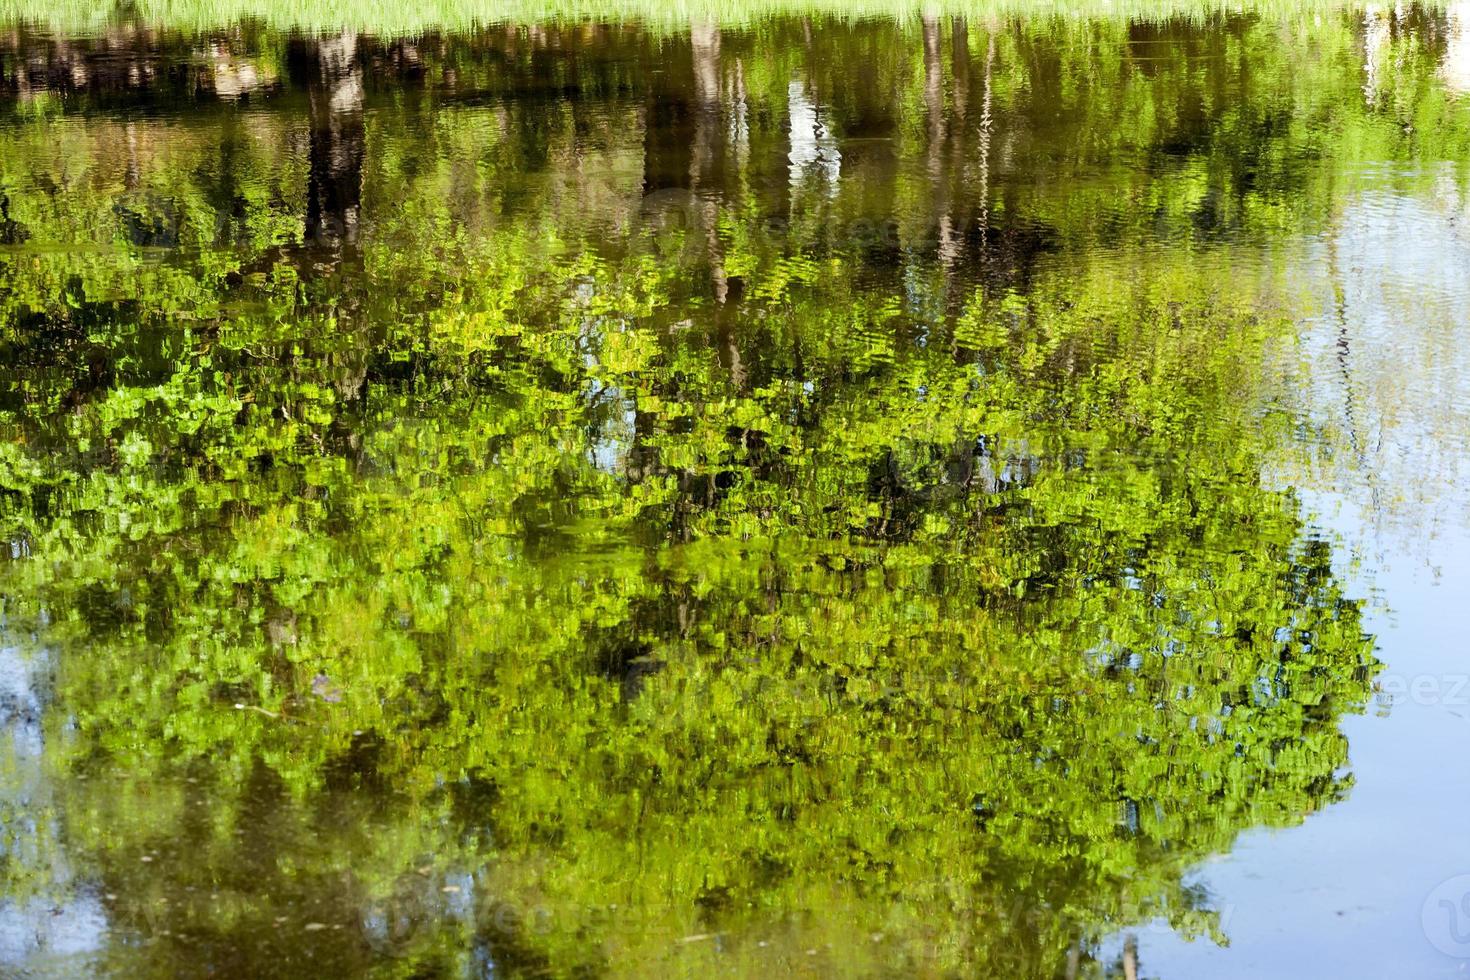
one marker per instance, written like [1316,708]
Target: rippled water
[954,493]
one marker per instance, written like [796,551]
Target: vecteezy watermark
[1446,917]
[1428,690]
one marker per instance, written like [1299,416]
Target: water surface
[924,495]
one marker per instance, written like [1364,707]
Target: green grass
[396,17]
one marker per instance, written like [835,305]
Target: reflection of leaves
[802,582]
[849,595]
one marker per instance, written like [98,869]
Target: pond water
[941,492]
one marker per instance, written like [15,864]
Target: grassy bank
[385,17]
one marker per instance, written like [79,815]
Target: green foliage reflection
[446,560]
